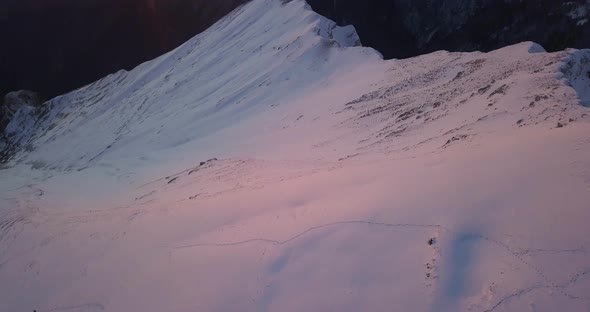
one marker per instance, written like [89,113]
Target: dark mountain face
[405,28]
[59,45]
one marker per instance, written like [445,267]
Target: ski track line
[312,229]
[516,254]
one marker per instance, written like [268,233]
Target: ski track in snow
[516,254]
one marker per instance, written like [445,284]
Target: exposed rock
[15,101]
[24,106]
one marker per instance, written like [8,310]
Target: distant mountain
[59,45]
[406,28]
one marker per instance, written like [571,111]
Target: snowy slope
[272,164]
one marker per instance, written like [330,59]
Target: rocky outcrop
[405,28]
[16,101]
[24,106]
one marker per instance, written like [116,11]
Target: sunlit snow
[272,164]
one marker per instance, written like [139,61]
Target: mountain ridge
[272,164]
[88,40]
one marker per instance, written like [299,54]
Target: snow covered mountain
[56,46]
[272,164]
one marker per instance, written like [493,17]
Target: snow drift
[272,164]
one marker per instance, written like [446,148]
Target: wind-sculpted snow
[271,164]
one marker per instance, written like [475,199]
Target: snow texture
[272,164]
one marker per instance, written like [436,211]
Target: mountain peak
[272,164]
